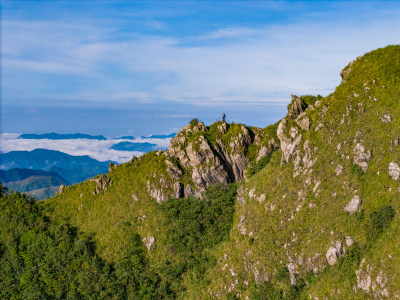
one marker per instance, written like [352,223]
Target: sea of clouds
[97,149]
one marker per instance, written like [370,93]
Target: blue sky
[147,67]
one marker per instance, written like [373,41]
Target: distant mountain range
[40,172]
[128,146]
[46,170]
[57,136]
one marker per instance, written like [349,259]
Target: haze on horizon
[149,67]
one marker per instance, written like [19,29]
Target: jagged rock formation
[210,163]
[102,183]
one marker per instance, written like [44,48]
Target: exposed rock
[354,205]
[240,195]
[178,190]
[386,118]
[394,170]
[332,255]
[346,71]
[173,170]
[241,227]
[102,183]
[363,277]
[362,157]
[133,159]
[111,166]
[295,108]
[149,242]
[189,191]
[349,241]
[223,128]
[134,197]
[288,144]
[303,121]
[292,268]
[338,170]
[155,193]
[61,189]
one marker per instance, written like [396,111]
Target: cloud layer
[97,149]
[204,54]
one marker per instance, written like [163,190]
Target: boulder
[332,255]
[354,205]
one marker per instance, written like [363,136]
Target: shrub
[378,221]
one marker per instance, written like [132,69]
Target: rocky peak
[295,108]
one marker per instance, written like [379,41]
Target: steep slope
[317,207]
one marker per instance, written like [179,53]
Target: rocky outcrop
[362,156]
[102,183]
[394,170]
[354,205]
[61,189]
[288,143]
[208,163]
[111,166]
[346,71]
[295,108]
[334,253]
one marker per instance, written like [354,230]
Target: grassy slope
[278,238]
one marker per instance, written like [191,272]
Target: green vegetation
[193,227]
[266,240]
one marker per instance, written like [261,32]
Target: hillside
[307,208]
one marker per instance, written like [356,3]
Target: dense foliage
[194,226]
[43,260]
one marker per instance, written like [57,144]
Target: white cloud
[97,149]
[232,64]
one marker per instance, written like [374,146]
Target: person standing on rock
[223,117]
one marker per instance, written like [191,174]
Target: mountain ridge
[305,208]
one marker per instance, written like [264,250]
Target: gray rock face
[208,163]
[288,143]
[354,205]
[156,193]
[362,157]
[102,183]
[295,108]
[394,170]
[332,255]
[303,121]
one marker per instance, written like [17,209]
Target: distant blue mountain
[57,136]
[128,146]
[158,136]
[72,168]
[126,137]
